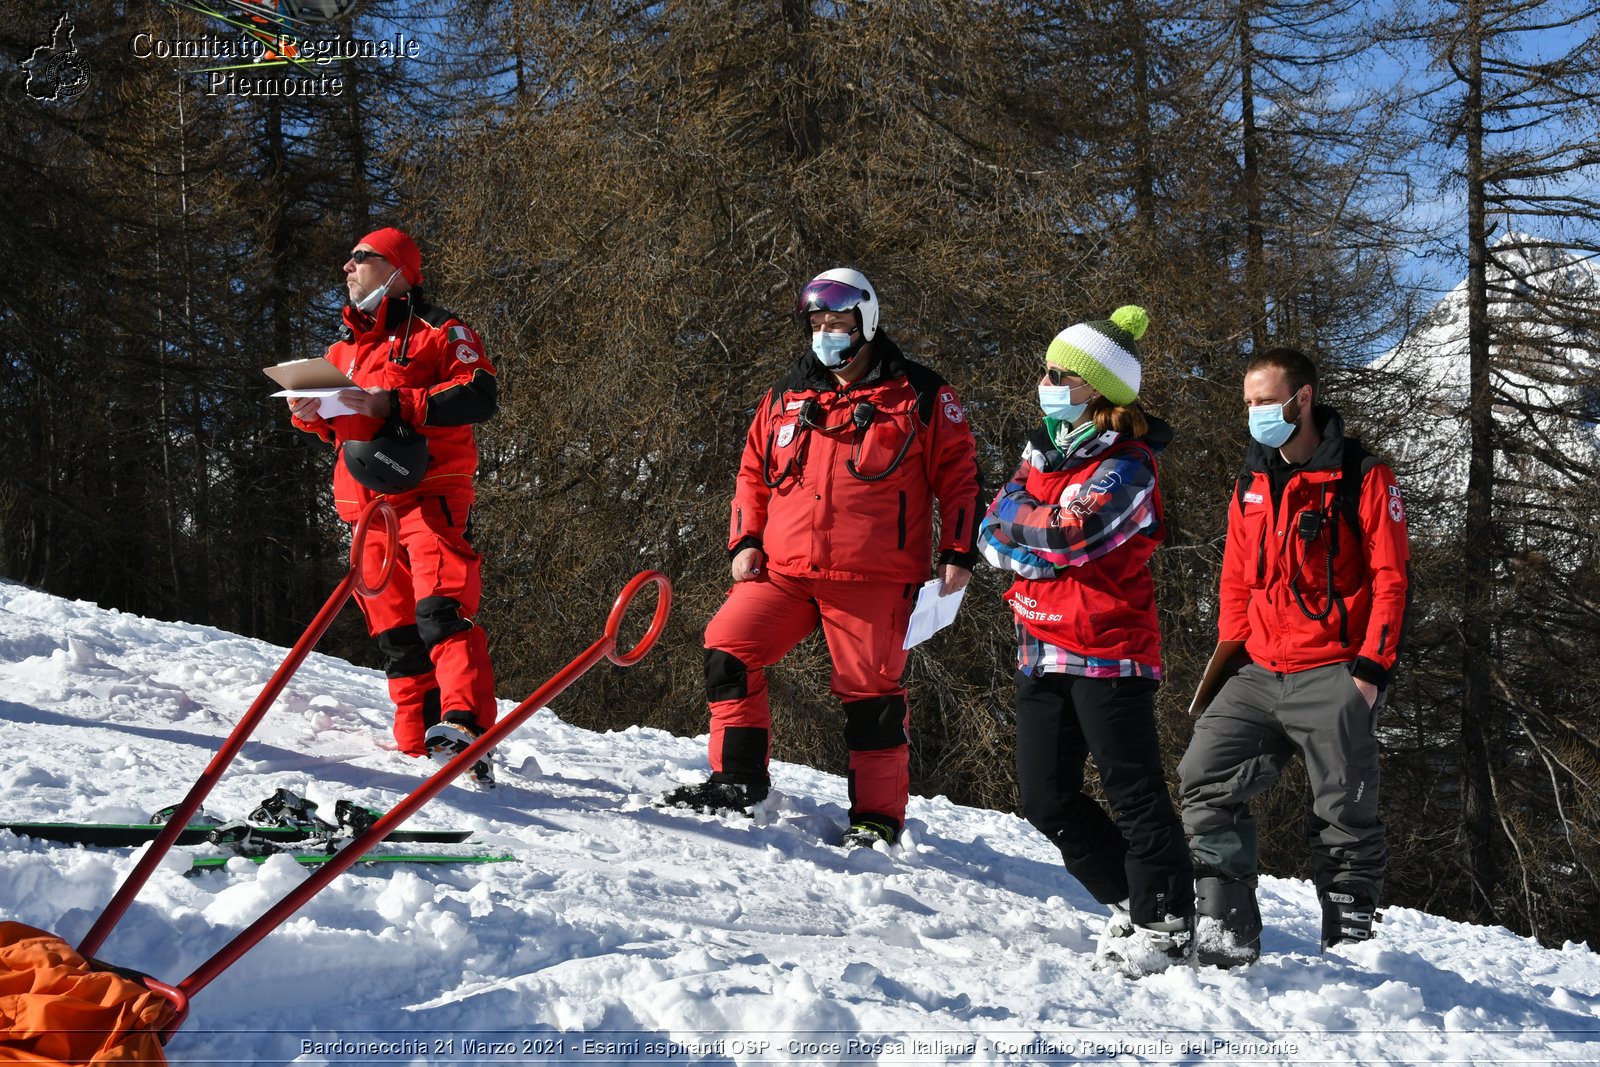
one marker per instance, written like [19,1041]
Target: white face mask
[369,302]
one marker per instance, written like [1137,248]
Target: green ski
[285,816]
[120,835]
[312,859]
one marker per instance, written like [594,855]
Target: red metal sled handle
[430,787]
[658,622]
[178,1011]
[352,581]
[358,551]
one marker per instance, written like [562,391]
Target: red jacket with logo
[841,482]
[1275,593]
[440,383]
[1080,531]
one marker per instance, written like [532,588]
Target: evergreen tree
[1514,106]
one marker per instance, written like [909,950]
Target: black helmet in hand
[392,462]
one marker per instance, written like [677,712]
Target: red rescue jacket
[440,383]
[841,483]
[1275,577]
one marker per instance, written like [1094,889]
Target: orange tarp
[56,1007]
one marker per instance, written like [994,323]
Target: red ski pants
[864,624]
[436,657]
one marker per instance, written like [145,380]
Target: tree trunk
[1477,566]
[1254,253]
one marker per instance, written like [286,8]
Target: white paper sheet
[932,613]
[330,406]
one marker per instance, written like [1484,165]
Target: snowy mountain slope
[1554,373]
[626,934]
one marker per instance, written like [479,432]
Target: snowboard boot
[1348,911]
[1228,922]
[453,735]
[716,795]
[1140,949]
[866,831]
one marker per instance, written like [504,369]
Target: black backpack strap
[926,383]
[1353,470]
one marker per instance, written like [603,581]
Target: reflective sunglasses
[1059,377]
[361,255]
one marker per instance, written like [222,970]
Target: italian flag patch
[460,333]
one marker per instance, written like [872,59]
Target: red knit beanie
[399,249]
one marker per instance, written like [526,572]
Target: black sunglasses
[361,255]
[1059,377]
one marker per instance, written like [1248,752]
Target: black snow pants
[1142,856]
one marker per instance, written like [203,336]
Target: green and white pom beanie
[1104,353]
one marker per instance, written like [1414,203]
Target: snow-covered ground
[625,934]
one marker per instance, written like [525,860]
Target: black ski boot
[1228,922]
[715,795]
[1348,911]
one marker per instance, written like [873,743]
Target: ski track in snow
[622,929]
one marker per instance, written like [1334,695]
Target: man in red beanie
[406,435]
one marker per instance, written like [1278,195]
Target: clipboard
[1225,662]
[314,373]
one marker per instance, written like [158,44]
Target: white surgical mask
[368,303]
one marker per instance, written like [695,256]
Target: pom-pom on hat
[1104,353]
[399,249]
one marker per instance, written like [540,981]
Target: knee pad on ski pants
[727,677]
[439,617]
[875,723]
[404,654]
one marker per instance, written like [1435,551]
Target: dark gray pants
[1243,741]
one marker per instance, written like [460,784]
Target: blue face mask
[833,349]
[1056,402]
[1268,425]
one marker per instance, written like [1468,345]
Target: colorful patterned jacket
[1079,530]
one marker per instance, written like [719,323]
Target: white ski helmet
[840,289]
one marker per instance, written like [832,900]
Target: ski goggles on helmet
[824,295]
